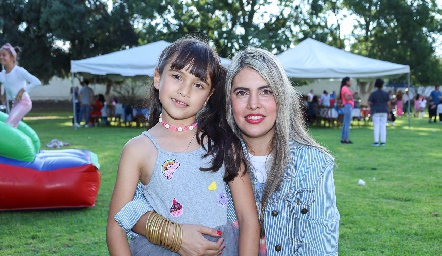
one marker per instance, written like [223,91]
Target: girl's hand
[194,244]
[19,95]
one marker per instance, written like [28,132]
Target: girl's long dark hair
[203,62]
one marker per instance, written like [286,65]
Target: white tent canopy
[137,61]
[312,59]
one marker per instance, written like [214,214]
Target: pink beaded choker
[177,128]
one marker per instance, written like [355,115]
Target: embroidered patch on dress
[212,186]
[176,209]
[169,167]
[222,199]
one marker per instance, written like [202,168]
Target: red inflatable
[55,179]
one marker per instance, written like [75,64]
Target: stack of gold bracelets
[158,229]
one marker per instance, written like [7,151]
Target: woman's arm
[127,178]
[323,228]
[247,214]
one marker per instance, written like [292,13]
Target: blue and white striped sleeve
[128,216]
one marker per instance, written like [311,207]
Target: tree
[401,32]
[53,32]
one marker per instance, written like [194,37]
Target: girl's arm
[32,80]
[247,214]
[126,182]
[194,244]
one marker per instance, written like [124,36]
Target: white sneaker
[86,125]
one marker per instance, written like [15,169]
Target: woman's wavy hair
[203,62]
[290,124]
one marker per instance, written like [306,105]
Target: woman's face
[349,82]
[253,105]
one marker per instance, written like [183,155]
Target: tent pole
[409,113]
[73,102]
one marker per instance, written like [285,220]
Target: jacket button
[274,213]
[278,248]
[304,211]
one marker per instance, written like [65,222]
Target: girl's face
[181,94]
[349,83]
[253,105]
[6,58]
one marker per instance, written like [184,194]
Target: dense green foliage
[393,214]
[53,32]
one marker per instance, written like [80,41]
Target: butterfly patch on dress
[169,167]
[222,199]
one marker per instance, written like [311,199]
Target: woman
[347,99]
[292,175]
[379,102]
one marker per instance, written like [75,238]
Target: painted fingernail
[219,232]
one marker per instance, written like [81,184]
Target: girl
[180,160]
[17,82]
[417,105]
[292,175]
[423,105]
[347,98]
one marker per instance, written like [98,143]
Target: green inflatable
[21,143]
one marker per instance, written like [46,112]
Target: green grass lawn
[393,214]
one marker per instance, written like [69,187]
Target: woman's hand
[19,95]
[194,244]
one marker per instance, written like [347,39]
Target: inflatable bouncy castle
[31,178]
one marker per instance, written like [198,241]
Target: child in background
[183,160]
[422,105]
[104,114]
[417,105]
[431,111]
[17,82]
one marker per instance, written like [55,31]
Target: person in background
[313,111]
[74,97]
[436,97]
[417,105]
[310,96]
[17,82]
[333,99]
[432,111]
[423,105]
[399,103]
[325,99]
[392,117]
[295,198]
[379,102]
[86,98]
[406,105]
[104,114]
[347,99]
[95,112]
